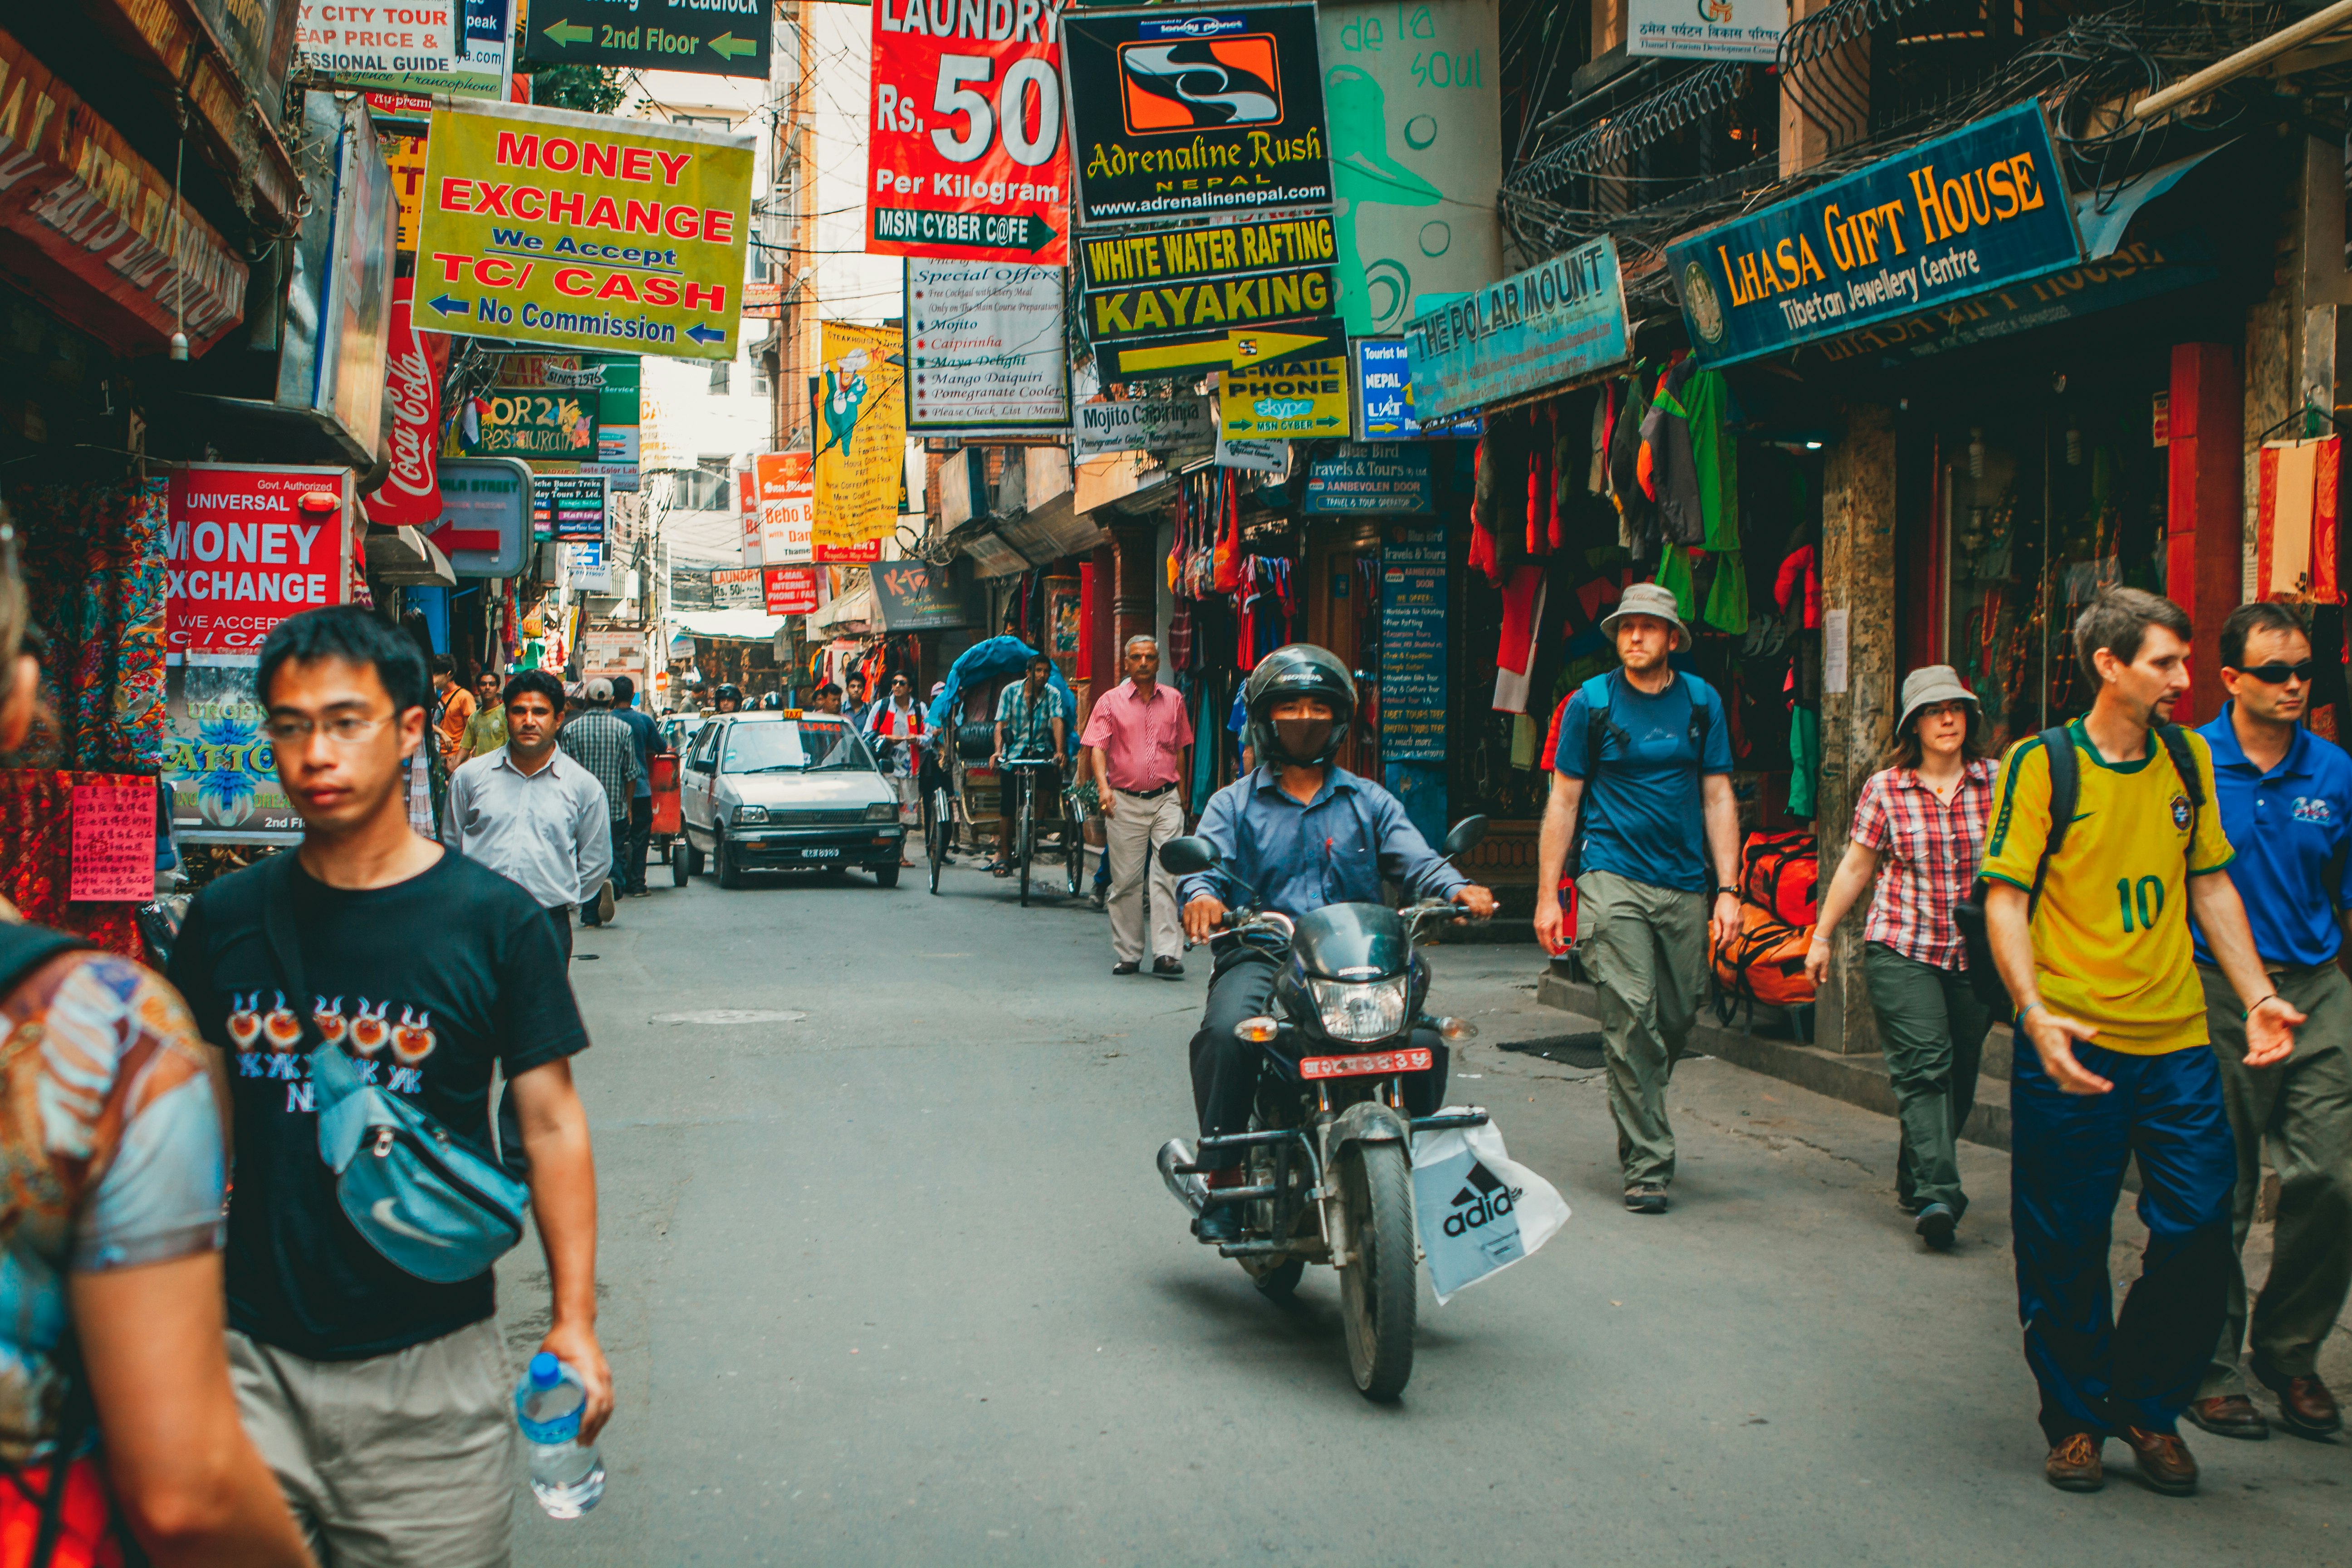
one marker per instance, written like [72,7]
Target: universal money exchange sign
[1966,213]
[966,160]
[541,226]
[1546,325]
[1195,114]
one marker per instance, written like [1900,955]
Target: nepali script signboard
[539,225]
[1549,324]
[1981,208]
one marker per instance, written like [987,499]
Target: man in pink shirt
[1142,749]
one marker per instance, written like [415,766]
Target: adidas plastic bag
[1479,1211]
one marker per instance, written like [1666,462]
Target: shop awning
[850,612]
[740,625]
[406,558]
[2102,216]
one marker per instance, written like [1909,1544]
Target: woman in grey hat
[1922,822]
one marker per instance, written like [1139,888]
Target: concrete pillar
[2205,495]
[1824,104]
[1857,578]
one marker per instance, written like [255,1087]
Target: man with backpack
[2104,839]
[1645,758]
[118,1424]
[371,971]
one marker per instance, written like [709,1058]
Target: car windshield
[794,745]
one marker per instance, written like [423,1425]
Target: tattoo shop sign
[1977,210]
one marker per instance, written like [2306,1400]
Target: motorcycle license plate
[820,853]
[1381,1064]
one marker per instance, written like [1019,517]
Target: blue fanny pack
[420,1196]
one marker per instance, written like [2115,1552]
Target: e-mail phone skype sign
[243,552]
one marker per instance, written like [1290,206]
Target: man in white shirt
[530,813]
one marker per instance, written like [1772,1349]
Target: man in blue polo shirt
[1656,799]
[2285,798]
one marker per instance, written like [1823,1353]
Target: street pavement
[887,1276]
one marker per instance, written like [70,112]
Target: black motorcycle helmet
[1299,669]
[728,692]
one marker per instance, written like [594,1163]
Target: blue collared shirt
[1332,850]
[2288,826]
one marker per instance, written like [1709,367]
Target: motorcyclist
[728,699]
[1303,833]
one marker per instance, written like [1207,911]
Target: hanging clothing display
[1515,655]
[94,574]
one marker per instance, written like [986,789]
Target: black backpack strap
[25,947]
[2065,793]
[2184,762]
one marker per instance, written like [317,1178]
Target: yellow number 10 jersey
[2111,942]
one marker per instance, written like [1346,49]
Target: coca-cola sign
[411,496]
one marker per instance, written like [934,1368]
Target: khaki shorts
[406,1460]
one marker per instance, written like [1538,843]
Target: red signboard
[411,495]
[93,229]
[968,161]
[246,546]
[790,590]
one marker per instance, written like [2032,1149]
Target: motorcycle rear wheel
[1378,1299]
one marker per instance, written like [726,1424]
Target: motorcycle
[1329,1153]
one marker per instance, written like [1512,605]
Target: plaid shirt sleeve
[1870,814]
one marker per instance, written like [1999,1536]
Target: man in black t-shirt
[379,1399]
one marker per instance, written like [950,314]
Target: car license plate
[820,853]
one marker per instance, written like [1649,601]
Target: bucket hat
[1646,599]
[1931,684]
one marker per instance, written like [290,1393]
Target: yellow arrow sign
[1236,349]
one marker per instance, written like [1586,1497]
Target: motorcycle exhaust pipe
[1190,1190]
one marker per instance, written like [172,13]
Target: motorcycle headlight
[882,811]
[751,815]
[1360,1010]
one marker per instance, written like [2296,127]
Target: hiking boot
[2074,1466]
[1647,1198]
[1936,1221]
[2229,1415]
[2165,1463]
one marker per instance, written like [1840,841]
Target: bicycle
[939,831]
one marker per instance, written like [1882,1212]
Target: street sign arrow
[706,335]
[450,305]
[726,45]
[1236,349]
[566,33]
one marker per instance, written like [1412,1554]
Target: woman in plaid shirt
[1923,822]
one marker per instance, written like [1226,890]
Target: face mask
[1303,737]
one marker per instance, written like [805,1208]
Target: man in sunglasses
[2285,800]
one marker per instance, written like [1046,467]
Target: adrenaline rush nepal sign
[1982,207]
[541,226]
[1195,113]
[967,161]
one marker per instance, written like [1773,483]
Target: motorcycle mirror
[1182,857]
[1467,835]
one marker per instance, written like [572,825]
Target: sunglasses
[2280,674]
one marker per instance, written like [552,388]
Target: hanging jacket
[1670,466]
[1800,569]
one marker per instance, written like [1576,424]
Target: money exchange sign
[1195,113]
[966,158]
[542,225]
[1200,282]
[861,433]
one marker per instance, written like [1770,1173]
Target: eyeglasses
[2280,674]
[345,730]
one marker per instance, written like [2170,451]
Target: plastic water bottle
[566,1475]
